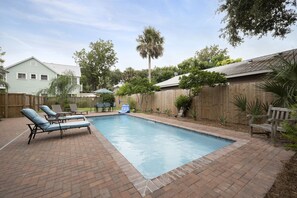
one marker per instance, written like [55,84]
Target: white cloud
[52,30]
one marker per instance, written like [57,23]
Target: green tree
[1,54]
[131,73]
[150,45]
[206,58]
[257,18]
[282,81]
[210,56]
[160,74]
[228,61]
[61,87]
[139,86]
[3,83]
[128,74]
[95,64]
[197,79]
[186,66]
[115,77]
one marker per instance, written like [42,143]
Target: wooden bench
[273,119]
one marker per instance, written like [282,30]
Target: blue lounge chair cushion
[51,113]
[35,118]
[48,111]
[68,125]
[43,125]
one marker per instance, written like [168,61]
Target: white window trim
[17,75]
[44,75]
[33,78]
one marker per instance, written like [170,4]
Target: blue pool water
[155,148]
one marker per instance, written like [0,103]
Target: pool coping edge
[148,186]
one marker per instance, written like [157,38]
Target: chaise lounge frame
[41,125]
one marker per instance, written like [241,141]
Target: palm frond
[240,102]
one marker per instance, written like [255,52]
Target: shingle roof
[60,69]
[172,82]
[57,68]
[254,66]
[244,68]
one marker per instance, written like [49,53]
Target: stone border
[147,186]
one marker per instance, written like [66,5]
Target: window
[21,75]
[33,76]
[43,77]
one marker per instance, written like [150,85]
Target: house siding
[28,85]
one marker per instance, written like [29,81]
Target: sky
[52,30]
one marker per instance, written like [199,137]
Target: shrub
[193,113]
[132,103]
[223,120]
[183,101]
[158,110]
[168,112]
[109,98]
[291,130]
[82,104]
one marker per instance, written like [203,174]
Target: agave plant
[240,102]
[255,107]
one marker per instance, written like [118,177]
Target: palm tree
[3,83]
[282,81]
[150,45]
[61,87]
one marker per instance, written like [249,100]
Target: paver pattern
[84,165]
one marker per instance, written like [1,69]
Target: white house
[31,75]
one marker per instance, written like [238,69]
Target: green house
[31,75]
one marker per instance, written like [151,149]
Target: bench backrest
[279,113]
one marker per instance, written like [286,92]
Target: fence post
[24,101]
[6,105]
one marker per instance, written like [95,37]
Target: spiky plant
[282,81]
[240,101]
[255,107]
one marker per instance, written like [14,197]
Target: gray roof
[253,66]
[60,69]
[172,82]
[57,68]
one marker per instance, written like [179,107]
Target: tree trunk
[149,69]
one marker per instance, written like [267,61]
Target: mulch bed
[285,184]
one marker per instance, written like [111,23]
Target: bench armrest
[253,117]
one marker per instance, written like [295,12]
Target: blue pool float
[125,109]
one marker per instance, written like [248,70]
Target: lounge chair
[41,125]
[125,109]
[73,109]
[53,116]
[58,109]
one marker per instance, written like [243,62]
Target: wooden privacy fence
[80,101]
[12,103]
[213,103]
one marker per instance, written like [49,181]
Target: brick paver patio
[84,165]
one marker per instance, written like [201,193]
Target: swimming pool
[154,148]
